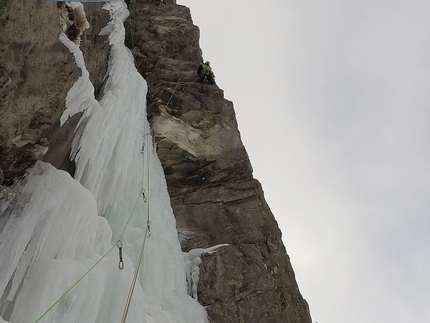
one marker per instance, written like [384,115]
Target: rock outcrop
[36,72]
[209,175]
[208,172]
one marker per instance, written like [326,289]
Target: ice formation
[193,261]
[58,254]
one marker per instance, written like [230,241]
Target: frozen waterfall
[58,254]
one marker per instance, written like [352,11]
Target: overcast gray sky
[333,103]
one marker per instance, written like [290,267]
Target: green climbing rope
[89,270]
[71,287]
[147,234]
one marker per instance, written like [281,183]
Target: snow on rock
[193,260]
[80,19]
[73,21]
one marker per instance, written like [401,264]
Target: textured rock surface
[36,72]
[209,176]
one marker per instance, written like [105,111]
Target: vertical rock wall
[31,93]
[209,176]
[36,72]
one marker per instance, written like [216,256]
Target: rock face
[209,175]
[36,72]
[208,172]
[32,95]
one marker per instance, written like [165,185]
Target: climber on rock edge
[205,72]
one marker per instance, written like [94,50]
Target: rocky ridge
[209,175]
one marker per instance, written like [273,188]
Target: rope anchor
[121,262]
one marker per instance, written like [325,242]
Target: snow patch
[193,261]
[73,21]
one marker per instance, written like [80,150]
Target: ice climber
[205,73]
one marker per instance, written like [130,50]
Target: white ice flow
[58,254]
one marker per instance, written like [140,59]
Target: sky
[332,99]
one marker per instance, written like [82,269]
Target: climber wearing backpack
[205,73]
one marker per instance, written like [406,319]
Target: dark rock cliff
[208,172]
